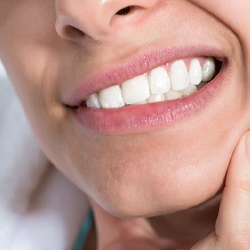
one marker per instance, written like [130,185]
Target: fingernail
[248,145]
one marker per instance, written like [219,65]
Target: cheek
[233,14]
[29,43]
[236,17]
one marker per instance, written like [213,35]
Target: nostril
[124,11]
[73,32]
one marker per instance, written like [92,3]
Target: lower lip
[148,117]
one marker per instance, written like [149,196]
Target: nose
[97,19]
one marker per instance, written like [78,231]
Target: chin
[140,190]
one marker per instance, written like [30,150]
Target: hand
[232,229]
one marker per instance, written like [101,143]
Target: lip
[147,117]
[142,118]
[134,67]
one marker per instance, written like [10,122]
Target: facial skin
[134,174]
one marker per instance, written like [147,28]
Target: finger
[233,222]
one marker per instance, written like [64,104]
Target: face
[134,160]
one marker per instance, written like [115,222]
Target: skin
[45,61]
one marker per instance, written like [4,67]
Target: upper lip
[140,64]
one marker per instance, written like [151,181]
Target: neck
[182,228]
[190,225]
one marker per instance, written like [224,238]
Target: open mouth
[163,95]
[172,81]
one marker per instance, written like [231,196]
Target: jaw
[190,225]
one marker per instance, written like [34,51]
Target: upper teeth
[157,86]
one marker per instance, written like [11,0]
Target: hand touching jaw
[230,231]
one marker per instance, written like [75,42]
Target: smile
[151,92]
[173,81]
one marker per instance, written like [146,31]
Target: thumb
[232,229]
[233,223]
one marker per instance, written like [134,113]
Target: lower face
[152,167]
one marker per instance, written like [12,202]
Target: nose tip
[95,18]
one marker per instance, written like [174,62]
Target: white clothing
[39,208]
